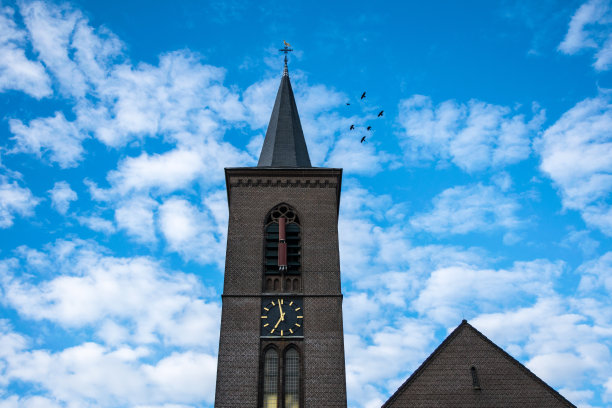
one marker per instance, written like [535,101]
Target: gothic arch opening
[283,251]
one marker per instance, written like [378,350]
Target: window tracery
[270,379]
[281,383]
[282,263]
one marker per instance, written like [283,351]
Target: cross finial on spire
[286,50]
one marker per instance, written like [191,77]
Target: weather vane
[286,50]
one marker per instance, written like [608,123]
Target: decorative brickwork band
[284,183]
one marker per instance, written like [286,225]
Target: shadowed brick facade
[283,176]
[469,370]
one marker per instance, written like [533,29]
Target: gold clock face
[282,317]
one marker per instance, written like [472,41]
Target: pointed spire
[285,69]
[284,145]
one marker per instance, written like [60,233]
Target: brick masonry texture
[314,194]
[238,361]
[445,380]
[324,384]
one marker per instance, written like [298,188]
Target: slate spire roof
[284,145]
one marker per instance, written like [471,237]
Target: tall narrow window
[292,379]
[270,383]
[475,380]
[282,250]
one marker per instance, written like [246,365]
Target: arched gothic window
[292,379]
[281,377]
[270,379]
[282,264]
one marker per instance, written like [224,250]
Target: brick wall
[314,194]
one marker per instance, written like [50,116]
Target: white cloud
[169,171]
[465,209]
[176,169]
[360,312]
[158,330]
[388,358]
[357,158]
[258,100]
[136,217]
[474,136]
[576,154]
[555,366]
[153,305]
[451,292]
[95,50]
[14,401]
[576,37]
[597,274]
[552,335]
[216,203]
[96,223]
[590,28]
[180,98]
[356,229]
[17,72]
[50,29]
[608,387]
[581,240]
[376,248]
[61,138]
[121,377]
[190,232]
[14,200]
[61,196]
[184,377]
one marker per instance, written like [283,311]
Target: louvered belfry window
[292,379]
[282,264]
[270,383]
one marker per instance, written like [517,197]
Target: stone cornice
[283,177]
[278,182]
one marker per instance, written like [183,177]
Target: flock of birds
[369,128]
[363,95]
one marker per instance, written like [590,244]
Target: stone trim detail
[283,183]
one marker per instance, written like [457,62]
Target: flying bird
[363,139]
[352,127]
[286,43]
[347,104]
[380,113]
[369,128]
[363,95]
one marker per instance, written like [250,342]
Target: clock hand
[280,308]
[281,318]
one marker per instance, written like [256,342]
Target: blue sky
[484,192]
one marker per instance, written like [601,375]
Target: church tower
[281,342]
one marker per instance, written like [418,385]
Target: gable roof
[504,380]
[284,145]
